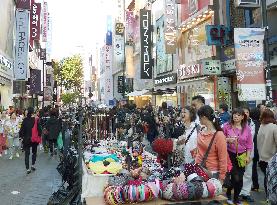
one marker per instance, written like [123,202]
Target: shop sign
[216,35]
[166,79]
[170,27]
[35,81]
[21,45]
[146,44]
[44,21]
[227,53]
[109,34]
[23,4]
[190,7]
[249,52]
[190,71]
[120,10]
[35,21]
[6,66]
[211,67]
[229,65]
[247,3]
[19,87]
[55,91]
[42,54]
[130,21]
[120,84]
[119,29]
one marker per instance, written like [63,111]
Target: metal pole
[80,146]
[43,69]
[266,54]
[124,54]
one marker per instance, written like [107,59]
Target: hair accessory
[205,190]
[191,190]
[168,193]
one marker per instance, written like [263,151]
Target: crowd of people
[229,145]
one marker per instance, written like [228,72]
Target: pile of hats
[191,190]
[132,193]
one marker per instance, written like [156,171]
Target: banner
[21,45]
[190,7]
[146,44]
[35,21]
[120,11]
[44,22]
[164,61]
[109,34]
[35,81]
[108,88]
[249,53]
[170,27]
[23,4]
[42,54]
[130,19]
[55,91]
[118,52]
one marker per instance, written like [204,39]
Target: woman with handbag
[239,145]
[12,130]
[26,133]
[3,138]
[211,144]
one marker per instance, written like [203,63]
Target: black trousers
[255,178]
[263,166]
[52,145]
[27,150]
[236,178]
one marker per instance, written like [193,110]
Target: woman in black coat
[25,134]
[53,127]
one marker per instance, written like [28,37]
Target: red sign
[190,7]
[23,4]
[35,21]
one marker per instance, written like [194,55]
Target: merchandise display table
[100,201]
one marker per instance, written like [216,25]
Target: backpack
[36,138]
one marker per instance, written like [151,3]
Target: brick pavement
[35,188]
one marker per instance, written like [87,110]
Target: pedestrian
[12,130]
[255,116]
[247,177]
[216,161]
[224,115]
[197,102]
[272,180]
[25,134]
[189,139]
[53,127]
[266,141]
[3,138]
[239,145]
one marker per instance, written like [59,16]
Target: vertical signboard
[120,10]
[44,22]
[129,26]
[170,27]
[190,7]
[249,53]
[21,45]
[35,81]
[109,35]
[146,44]
[23,4]
[35,21]
[55,91]
[108,89]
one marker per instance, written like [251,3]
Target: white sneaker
[11,157]
[230,202]
[17,155]
[5,152]
[1,155]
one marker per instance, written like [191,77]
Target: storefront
[165,90]
[141,98]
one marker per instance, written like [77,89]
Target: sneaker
[33,168]
[17,155]
[255,189]
[5,152]
[238,203]
[28,171]
[11,157]
[247,199]
[229,202]
[1,155]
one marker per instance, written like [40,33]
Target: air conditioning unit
[248,3]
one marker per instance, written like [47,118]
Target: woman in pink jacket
[239,141]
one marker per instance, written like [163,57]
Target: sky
[78,25]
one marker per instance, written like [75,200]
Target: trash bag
[60,141]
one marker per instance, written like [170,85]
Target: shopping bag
[35,134]
[60,141]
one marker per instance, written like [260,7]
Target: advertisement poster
[164,61]
[21,45]
[146,45]
[249,53]
[195,46]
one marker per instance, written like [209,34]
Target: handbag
[35,135]
[202,165]
[227,183]
[60,141]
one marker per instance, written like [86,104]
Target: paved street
[17,188]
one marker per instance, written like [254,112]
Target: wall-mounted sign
[44,21]
[120,84]
[146,44]
[229,65]
[166,79]
[119,29]
[42,54]
[55,91]
[190,71]
[216,35]
[21,45]
[190,7]
[23,4]
[170,27]
[247,3]
[35,21]
[35,81]
[6,66]
[211,67]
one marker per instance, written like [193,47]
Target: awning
[138,93]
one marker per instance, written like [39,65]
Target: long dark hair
[208,112]
[239,111]
[30,111]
